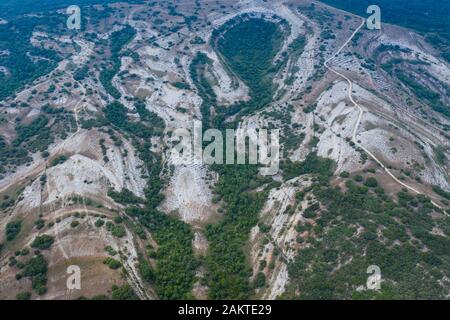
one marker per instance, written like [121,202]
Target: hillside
[89,178]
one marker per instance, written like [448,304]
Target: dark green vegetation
[25,132]
[124,292]
[42,242]
[110,251]
[444,194]
[423,93]
[312,163]
[198,68]
[174,275]
[99,223]
[176,264]
[15,43]
[116,230]
[10,155]
[36,269]
[429,17]
[34,137]
[248,47]
[124,197]
[23,295]
[152,125]
[392,235]
[260,280]
[112,263]
[58,160]
[25,62]
[146,271]
[396,66]
[294,51]
[12,230]
[117,41]
[228,272]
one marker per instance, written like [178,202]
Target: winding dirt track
[358,122]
